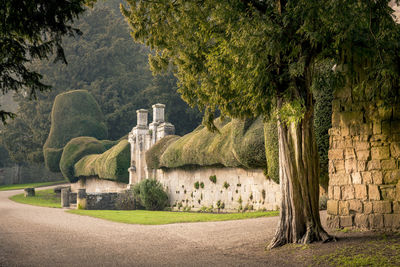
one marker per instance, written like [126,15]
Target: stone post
[65,192]
[81,199]
[29,192]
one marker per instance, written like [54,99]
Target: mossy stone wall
[364,163]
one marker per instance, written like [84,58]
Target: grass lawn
[22,186]
[43,198]
[167,217]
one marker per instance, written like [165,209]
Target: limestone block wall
[236,188]
[96,185]
[364,164]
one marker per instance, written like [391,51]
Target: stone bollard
[81,199]
[29,192]
[65,192]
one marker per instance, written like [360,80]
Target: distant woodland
[105,61]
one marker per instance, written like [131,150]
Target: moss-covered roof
[75,113]
[239,143]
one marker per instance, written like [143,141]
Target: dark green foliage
[202,185]
[151,195]
[76,149]
[153,155]
[4,157]
[74,114]
[226,185]
[113,164]
[32,30]
[213,179]
[197,185]
[272,149]
[237,144]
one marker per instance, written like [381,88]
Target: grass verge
[22,186]
[43,198]
[167,217]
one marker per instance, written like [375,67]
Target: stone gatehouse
[364,163]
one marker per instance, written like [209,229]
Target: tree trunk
[299,181]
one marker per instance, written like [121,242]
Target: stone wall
[101,201]
[364,159]
[96,185]
[236,188]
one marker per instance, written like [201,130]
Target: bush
[151,195]
[113,164]
[76,149]
[74,114]
[213,179]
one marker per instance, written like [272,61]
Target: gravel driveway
[36,236]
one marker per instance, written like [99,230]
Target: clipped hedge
[76,149]
[75,113]
[154,153]
[238,144]
[113,164]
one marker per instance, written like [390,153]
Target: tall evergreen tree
[249,57]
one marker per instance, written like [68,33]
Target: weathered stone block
[332,207]
[347,192]
[391,177]
[356,178]
[344,208]
[386,129]
[361,165]
[388,192]
[360,191]
[382,138]
[361,145]
[377,177]
[339,165]
[392,221]
[29,192]
[335,105]
[396,207]
[335,154]
[377,127]
[380,152]
[332,221]
[336,192]
[330,192]
[366,177]
[395,149]
[346,221]
[388,164]
[368,207]
[382,207]
[363,154]
[351,117]
[334,131]
[376,221]
[350,165]
[361,221]
[374,165]
[355,205]
[349,153]
[373,192]
[395,126]
[340,179]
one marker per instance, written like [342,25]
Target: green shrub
[113,164]
[151,195]
[226,185]
[202,185]
[213,179]
[76,149]
[197,185]
[74,114]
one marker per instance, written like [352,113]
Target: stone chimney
[142,115]
[158,113]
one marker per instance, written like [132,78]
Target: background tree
[104,61]
[31,30]
[249,57]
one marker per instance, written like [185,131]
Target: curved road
[36,236]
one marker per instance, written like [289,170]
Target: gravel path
[36,236]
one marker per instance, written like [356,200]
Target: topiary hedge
[76,149]
[238,144]
[113,164]
[154,153]
[75,113]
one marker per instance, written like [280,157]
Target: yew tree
[251,58]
